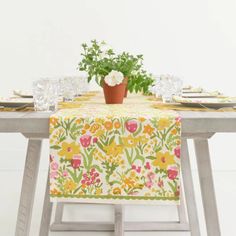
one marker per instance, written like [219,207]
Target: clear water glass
[67,88]
[73,86]
[166,90]
[178,86]
[53,95]
[167,86]
[83,85]
[45,94]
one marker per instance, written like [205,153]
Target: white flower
[114,78]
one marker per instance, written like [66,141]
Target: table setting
[125,143]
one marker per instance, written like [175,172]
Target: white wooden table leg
[189,190]
[58,217]
[59,212]
[47,212]
[181,209]
[28,187]
[119,220]
[207,187]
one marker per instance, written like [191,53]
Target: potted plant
[116,73]
[129,65]
[140,82]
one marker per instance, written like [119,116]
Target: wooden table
[199,126]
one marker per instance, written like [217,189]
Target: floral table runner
[115,153]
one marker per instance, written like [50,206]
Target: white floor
[10,184]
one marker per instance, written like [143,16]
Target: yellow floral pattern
[115,152]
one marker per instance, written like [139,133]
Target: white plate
[200,95]
[16,102]
[23,94]
[192,90]
[207,102]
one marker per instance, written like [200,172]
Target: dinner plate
[200,95]
[192,90]
[16,102]
[215,103]
[23,94]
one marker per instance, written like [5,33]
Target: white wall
[195,40]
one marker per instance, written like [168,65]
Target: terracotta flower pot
[114,94]
[126,87]
[126,92]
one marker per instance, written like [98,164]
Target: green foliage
[140,82]
[98,62]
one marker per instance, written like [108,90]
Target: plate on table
[201,95]
[16,102]
[192,90]
[215,103]
[23,94]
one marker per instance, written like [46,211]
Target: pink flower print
[51,157]
[65,173]
[172,173]
[76,161]
[54,166]
[85,140]
[88,183]
[92,171]
[148,166]
[178,119]
[133,167]
[53,175]
[131,126]
[160,183]
[177,152]
[91,178]
[149,184]
[177,193]
[138,170]
[151,175]
[95,140]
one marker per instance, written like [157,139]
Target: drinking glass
[67,88]
[178,86]
[45,94]
[81,85]
[166,90]
[168,86]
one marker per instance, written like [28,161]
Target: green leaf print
[137,132]
[74,176]
[56,147]
[99,169]
[129,157]
[172,186]
[111,140]
[100,146]
[151,158]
